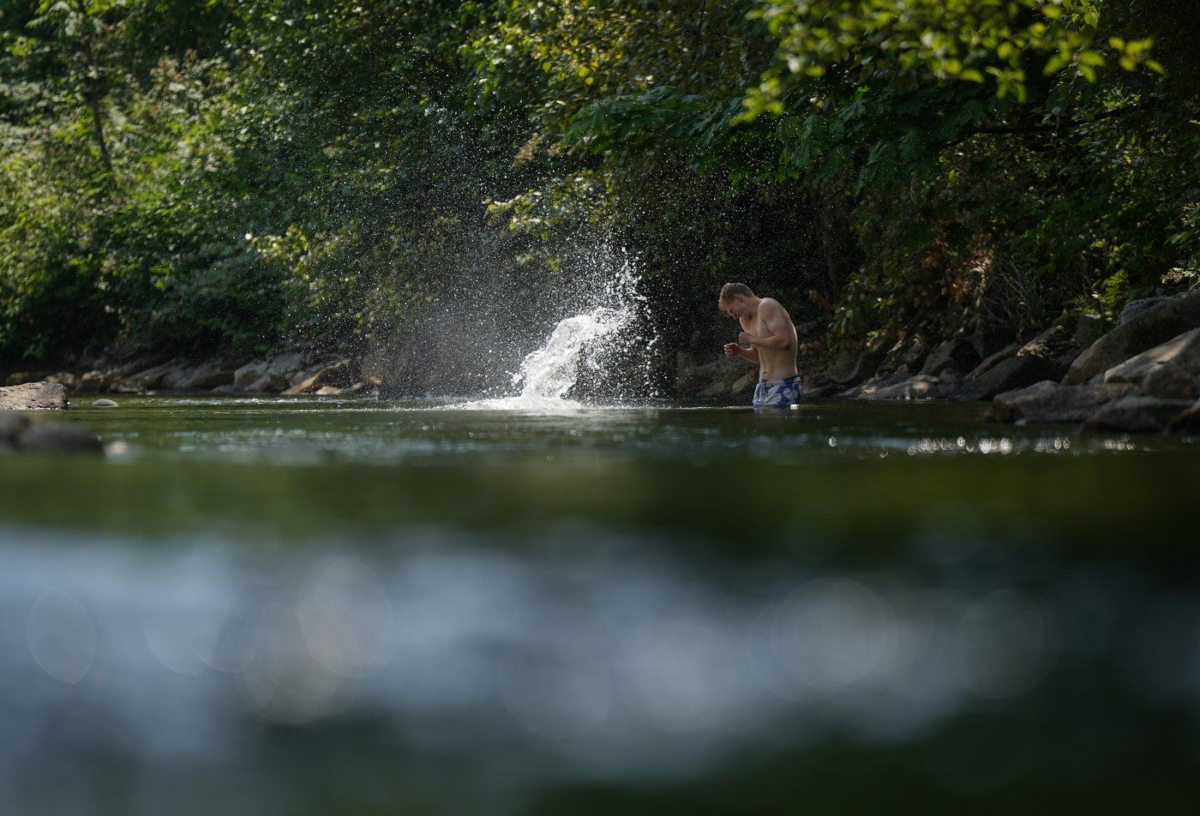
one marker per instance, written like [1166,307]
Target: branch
[1054,128]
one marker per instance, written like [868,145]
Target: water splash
[551,371]
[604,348]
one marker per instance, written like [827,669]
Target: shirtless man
[768,337]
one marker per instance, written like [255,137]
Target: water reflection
[609,660]
[311,431]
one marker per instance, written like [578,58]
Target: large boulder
[1046,357]
[1049,401]
[1136,307]
[1063,342]
[1169,371]
[1148,327]
[40,396]
[1151,391]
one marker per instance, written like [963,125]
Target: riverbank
[291,373]
[1141,375]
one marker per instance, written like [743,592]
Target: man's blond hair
[731,290]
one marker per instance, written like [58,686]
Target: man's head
[737,300]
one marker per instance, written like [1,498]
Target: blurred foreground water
[338,607]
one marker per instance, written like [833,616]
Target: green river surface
[351,606]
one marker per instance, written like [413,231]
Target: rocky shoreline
[1143,375]
[292,373]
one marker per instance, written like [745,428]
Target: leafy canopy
[908,42]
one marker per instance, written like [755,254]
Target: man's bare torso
[773,364]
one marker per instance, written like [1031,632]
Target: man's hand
[746,339]
[732,350]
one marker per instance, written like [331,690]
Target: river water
[336,606]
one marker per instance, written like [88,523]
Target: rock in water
[40,396]
[20,432]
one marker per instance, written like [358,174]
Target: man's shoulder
[770,304]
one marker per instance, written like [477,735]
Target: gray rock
[40,396]
[994,360]
[141,381]
[955,354]
[1049,401]
[1182,351]
[1055,343]
[249,374]
[1045,357]
[1088,329]
[1170,381]
[267,376]
[1136,307]
[208,377]
[104,403]
[908,354]
[57,437]
[1137,414]
[1008,375]
[1156,324]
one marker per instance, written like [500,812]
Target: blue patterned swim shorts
[777,393]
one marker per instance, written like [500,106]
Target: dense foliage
[217,178]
